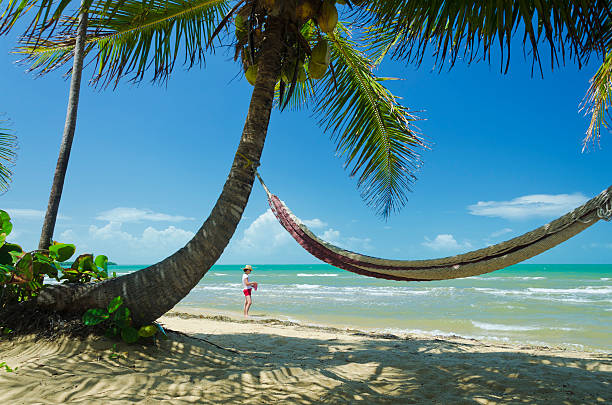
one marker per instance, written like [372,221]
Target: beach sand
[225,360]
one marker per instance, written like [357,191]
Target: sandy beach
[218,359]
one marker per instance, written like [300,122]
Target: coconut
[320,53]
[251,74]
[328,17]
[319,60]
[316,70]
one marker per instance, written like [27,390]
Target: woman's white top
[245,278]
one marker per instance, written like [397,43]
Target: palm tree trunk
[64,154]
[151,292]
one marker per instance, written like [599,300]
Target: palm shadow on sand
[272,368]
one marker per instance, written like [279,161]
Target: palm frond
[8,155]
[300,98]
[44,14]
[14,10]
[471,29]
[139,36]
[372,131]
[597,101]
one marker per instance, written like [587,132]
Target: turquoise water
[554,305]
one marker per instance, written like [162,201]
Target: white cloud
[67,236]
[82,244]
[126,214]
[150,238]
[314,223]
[146,247]
[112,230]
[25,213]
[264,234]
[332,236]
[536,205]
[445,242]
[350,242]
[501,232]
[171,236]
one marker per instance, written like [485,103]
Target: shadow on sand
[271,368]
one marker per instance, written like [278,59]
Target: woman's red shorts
[247,292]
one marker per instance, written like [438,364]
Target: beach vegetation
[22,273]
[374,133]
[7,368]
[118,320]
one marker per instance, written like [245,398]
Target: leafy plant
[7,368]
[22,273]
[119,321]
[85,268]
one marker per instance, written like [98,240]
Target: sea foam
[580,290]
[494,326]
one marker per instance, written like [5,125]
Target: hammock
[473,263]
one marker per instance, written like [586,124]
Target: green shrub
[119,321]
[22,273]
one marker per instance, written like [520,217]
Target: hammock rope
[473,263]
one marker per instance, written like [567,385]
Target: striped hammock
[473,263]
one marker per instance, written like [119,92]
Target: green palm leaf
[13,10]
[471,29]
[598,99]
[44,14]
[8,154]
[137,37]
[373,132]
[300,98]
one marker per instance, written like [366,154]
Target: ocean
[550,305]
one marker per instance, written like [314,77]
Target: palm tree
[274,41]
[598,100]
[8,147]
[10,16]
[69,127]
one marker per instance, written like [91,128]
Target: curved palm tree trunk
[151,292]
[64,154]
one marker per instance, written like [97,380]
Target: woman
[247,287]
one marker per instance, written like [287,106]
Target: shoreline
[538,305]
[193,324]
[196,312]
[219,359]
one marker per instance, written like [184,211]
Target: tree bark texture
[151,292]
[64,155]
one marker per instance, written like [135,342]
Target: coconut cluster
[306,54]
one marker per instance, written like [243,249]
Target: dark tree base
[27,318]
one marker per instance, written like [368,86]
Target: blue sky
[148,163]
